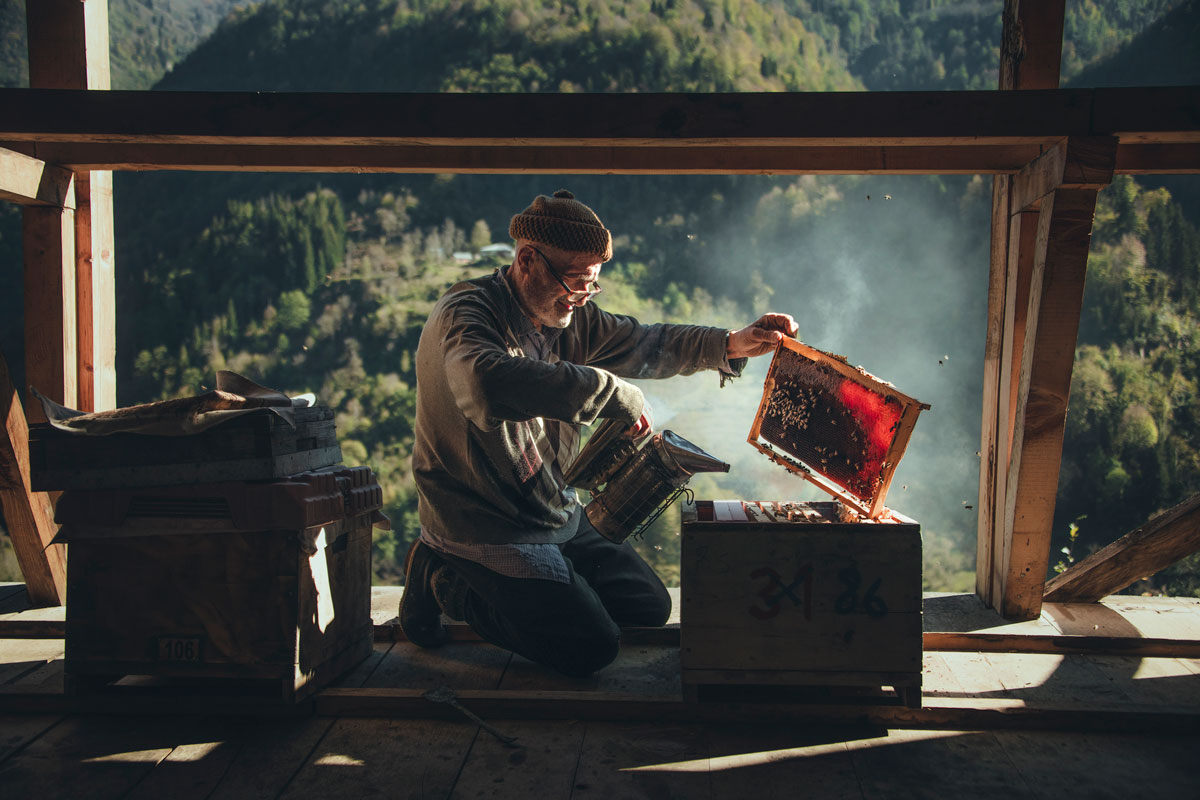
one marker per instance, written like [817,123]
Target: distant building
[463,257]
[502,250]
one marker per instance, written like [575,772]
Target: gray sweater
[499,406]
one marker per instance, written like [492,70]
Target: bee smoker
[634,481]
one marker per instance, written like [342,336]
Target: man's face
[541,278]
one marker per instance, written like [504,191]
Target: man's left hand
[761,336]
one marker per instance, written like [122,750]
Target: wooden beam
[1142,115]
[954,713]
[29,515]
[558,160]
[1085,163]
[68,50]
[979,159]
[31,182]
[976,642]
[949,713]
[32,628]
[48,238]
[1158,159]
[1158,544]
[33,625]
[1048,356]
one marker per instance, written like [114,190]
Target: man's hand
[644,424]
[761,336]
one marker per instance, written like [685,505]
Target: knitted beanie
[563,222]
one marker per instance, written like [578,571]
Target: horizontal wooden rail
[971,642]
[937,712]
[950,713]
[1145,647]
[979,159]
[749,133]
[1158,159]
[1143,115]
[545,159]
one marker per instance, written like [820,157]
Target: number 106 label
[178,648]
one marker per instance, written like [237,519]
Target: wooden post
[48,238]
[29,515]
[1030,55]
[1079,169]
[1031,44]
[69,337]
[96,293]
[992,449]
[68,49]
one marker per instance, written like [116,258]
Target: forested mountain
[1133,432]
[146,37]
[951,44]
[514,46]
[1164,54]
[322,283]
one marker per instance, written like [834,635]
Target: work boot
[450,590]
[420,615]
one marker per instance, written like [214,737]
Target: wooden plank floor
[166,755]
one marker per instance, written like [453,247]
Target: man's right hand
[643,425]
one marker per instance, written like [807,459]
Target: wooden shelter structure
[1050,151]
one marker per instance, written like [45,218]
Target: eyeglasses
[574,297]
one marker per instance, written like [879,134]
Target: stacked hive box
[255,446]
[259,585]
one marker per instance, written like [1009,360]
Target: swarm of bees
[802,417]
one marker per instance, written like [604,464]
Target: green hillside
[1165,54]
[950,44]
[514,46]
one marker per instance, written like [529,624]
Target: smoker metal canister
[647,484]
[609,449]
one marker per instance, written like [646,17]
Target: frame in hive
[833,424]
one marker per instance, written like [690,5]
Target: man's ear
[524,256]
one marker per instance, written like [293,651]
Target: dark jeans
[571,627]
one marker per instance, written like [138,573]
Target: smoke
[891,273]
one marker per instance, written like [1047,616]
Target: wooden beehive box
[253,447]
[809,601]
[164,583]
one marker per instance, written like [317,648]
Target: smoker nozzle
[689,457]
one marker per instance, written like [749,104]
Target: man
[508,368]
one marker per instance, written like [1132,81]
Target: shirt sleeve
[493,383]
[622,345]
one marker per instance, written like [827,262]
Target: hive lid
[832,424]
